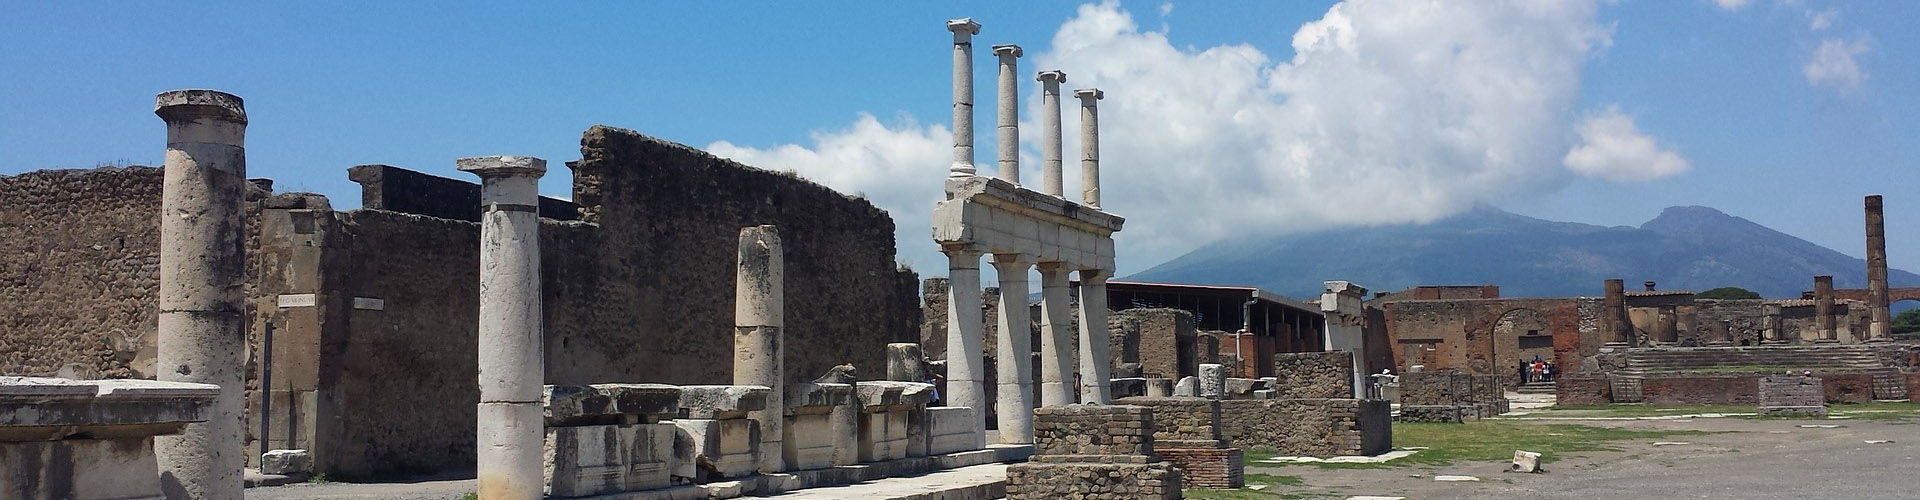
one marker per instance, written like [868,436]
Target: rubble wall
[1308,427]
[1313,375]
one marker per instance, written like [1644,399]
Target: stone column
[1096,364]
[1774,335]
[1056,342]
[1014,401]
[1669,329]
[511,430]
[1344,305]
[1882,319]
[1823,308]
[202,338]
[1009,112]
[963,31]
[759,315]
[1090,145]
[1615,309]
[964,362]
[1050,124]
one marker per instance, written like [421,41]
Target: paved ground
[441,490]
[1751,459]
[423,490]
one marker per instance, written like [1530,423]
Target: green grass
[1877,411]
[1495,441]
[470,496]
[1246,494]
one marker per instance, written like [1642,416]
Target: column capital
[1052,267]
[1095,276]
[960,250]
[175,105]
[1013,259]
[1008,50]
[1052,76]
[963,29]
[1089,96]
[489,167]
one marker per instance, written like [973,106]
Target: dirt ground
[1745,459]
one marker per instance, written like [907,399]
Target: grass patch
[1246,494]
[1496,441]
[1879,411]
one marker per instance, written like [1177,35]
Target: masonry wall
[1483,335]
[1308,427]
[1167,341]
[1313,375]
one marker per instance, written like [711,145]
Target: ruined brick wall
[1179,419]
[1167,341]
[1308,427]
[1313,375]
[1218,468]
[1484,335]
[384,187]
[1093,430]
[1583,390]
[1746,320]
[1701,389]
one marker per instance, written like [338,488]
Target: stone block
[286,462]
[822,426]
[1093,481]
[1125,387]
[884,435]
[721,402]
[1128,370]
[707,450]
[1159,387]
[882,394]
[1212,380]
[949,430]
[601,459]
[1188,386]
[1525,461]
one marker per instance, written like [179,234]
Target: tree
[1907,322]
[1727,292]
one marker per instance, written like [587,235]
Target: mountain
[1685,248]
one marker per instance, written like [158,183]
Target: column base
[1774,342]
[1827,341]
[1877,340]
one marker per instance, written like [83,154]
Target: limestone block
[1525,461]
[722,401]
[877,394]
[79,469]
[808,442]
[1243,388]
[1127,370]
[706,450]
[1159,387]
[949,430]
[884,435]
[285,462]
[601,459]
[1124,387]
[35,408]
[1188,386]
[904,363]
[1213,380]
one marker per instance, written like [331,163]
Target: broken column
[202,338]
[510,427]
[1050,124]
[1615,308]
[1774,334]
[1344,305]
[1009,112]
[1090,145]
[965,366]
[1823,309]
[963,31]
[1013,403]
[1056,340]
[1877,273]
[1096,364]
[758,317]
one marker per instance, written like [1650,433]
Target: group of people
[1537,370]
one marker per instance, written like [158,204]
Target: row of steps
[1535,388]
[1707,358]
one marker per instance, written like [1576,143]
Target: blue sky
[1781,112]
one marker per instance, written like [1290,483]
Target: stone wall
[1180,418]
[1313,375]
[1308,427]
[1746,321]
[384,187]
[1167,341]
[1583,390]
[1486,335]
[1219,468]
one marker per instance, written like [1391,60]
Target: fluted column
[759,318]
[1090,145]
[202,338]
[1882,319]
[1615,308]
[1050,128]
[1096,367]
[965,366]
[1056,339]
[511,428]
[963,31]
[1014,347]
[1823,308]
[1009,111]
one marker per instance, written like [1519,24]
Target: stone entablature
[999,217]
[62,439]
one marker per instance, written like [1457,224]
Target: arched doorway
[1519,336]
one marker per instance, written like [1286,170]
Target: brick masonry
[1308,427]
[1208,467]
[1313,375]
[1093,452]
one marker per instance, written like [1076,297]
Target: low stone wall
[1743,388]
[1428,388]
[1094,452]
[1093,481]
[1308,427]
[1208,467]
[1792,395]
[1583,390]
[1313,375]
[1181,418]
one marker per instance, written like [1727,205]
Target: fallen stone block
[1525,461]
[285,461]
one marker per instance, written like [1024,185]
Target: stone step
[981,482]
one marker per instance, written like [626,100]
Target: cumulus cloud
[1821,20]
[1833,64]
[1731,5]
[1387,112]
[1611,147]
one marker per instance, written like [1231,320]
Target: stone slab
[721,402]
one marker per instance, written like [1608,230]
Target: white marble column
[963,31]
[202,337]
[1050,128]
[511,427]
[965,366]
[1096,367]
[1009,112]
[1014,350]
[1090,145]
[1344,305]
[759,318]
[1056,338]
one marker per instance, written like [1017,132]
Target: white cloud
[1833,64]
[1731,5]
[1166,9]
[1611,147]
[1387,112]
[1821,20]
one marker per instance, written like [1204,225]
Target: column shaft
[1882,319]
[1096,365]
[511,430]
[1052,157]
[965,367]
[1014,349]
[1056,337]
[1615,309]
[1009,112]
[1090,145]
[759,318]
[1823,308]
[963,31]
[202,337]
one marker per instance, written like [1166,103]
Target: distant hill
[1690,248]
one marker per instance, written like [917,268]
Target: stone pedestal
[609,438]
[1792,395]
[92,439]
[947,431]
[1212,381]
[1093,452]
[891,417]
[715,439]
[822,426]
